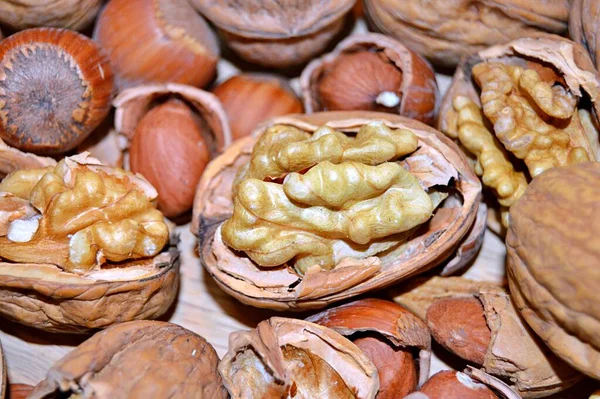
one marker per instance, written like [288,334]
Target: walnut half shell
[332,261]
[139,359]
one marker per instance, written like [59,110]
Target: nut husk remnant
[280,35]
[415,97]
[446,31]
[108,365]
[584,26]
[282,287]
[294,358]
[520,108]
[553,252]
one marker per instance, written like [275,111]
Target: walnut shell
[553,252]
[278,36]
[3,382]
[129,360]
[543,119]
[444,31]
[270,360]
[282,288]
[418,91]
[12,159]
[584,26]
[72,14]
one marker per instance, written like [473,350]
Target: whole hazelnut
[170,151]
[250,99]
[157,41]
[72,14]
[455,385]
[55,89]
[371,72]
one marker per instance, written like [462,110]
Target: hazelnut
[446,31]
[18,391]
[371,72]
[388,335]
[55,89]
[278,36]
[169,150]
[455,385]
[584,26]
[553,253]
[71,14]
[249,99]
[157,41]
[130,360]
[171,125]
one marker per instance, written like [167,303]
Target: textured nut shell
[12,159]
[553,257]
[72,14]
[45,297]
[132,104]
[419,88]
[108,365]
[266,340]
[446,31]
[584,26]
[396,324]
[213,205]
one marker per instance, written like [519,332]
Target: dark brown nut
[280,35]
[523,107]
[249,99]
[294,358]
[445,32]
[552,256]
[83,247]
[56,87]
[502,346]
[388,334]
[584,26]
[371,72]
[157,41]
[327,273]
[140,359]
[455,385]
[72,14]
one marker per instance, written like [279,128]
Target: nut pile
[323,173]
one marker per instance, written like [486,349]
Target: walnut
[77,234]
[108,365]
[522,108]
[320,213]
[552,256]
[444,32]
[584,23]
[294,358]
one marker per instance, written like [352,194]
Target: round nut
[72,14]
[54,81]
[177,43]
[553,252]
[455,385]
[108,365]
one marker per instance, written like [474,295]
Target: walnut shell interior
[437,161]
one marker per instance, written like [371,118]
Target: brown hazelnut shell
[132,104]
[108,365]
[278,36]
[584,27]
[69,102]
[157,41]
[569,59]
[72,14]
[45,297]
[553,254]
[213,204]
[445,32]
[395,324]
[419,92]
[514,353]
[267,340]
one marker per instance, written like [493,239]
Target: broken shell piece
[362,202]
[108,366]
[294,358]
